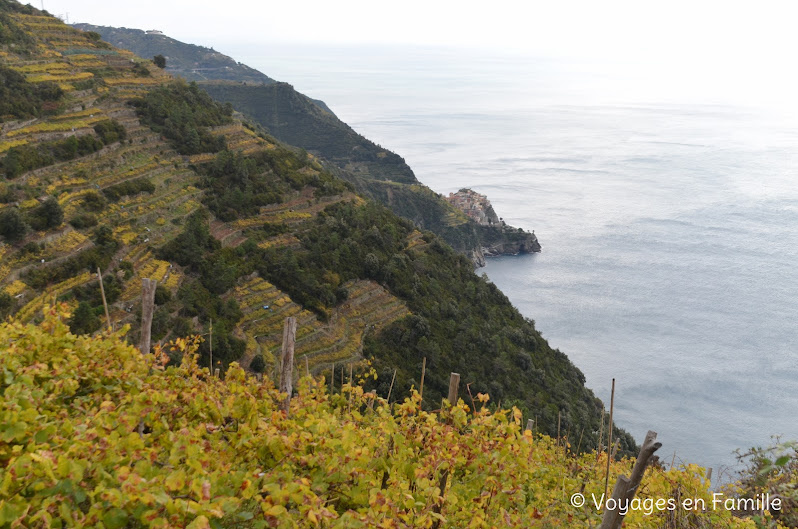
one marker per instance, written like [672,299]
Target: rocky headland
[497,238]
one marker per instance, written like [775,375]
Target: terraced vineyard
[98,81]
[106,162]
[368,308]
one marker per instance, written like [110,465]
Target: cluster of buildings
[475,205]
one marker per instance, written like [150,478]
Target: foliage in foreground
[771,470]
[96,435]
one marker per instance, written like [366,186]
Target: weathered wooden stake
[423,372]
[390,390]
[147,309]
[530,424]
[618,493]
[454,386]
[307,368]
[105,303]
[332,379]
[609,442]
[601,434]
[210,343]
[559,419]
[709,475]
[287,361]
[216,372]
[626,488]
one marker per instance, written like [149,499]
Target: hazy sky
[745,48]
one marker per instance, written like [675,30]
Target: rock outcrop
[527,244]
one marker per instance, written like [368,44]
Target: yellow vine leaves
[94,434]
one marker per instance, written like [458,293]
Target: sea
[669,225]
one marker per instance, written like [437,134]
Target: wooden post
[530,424]
[618,493]
[332,379]
[216,372]
[609,442]
[105,303]
[626,488]
[579,446]
[147,308]
[559,419]
[210,343]
[454,383]
[287,361]
[423,372]
[601,434]
[307,369]
[390,390]
[709,475]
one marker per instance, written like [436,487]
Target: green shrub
[162,295]
[94,201]
[27,157]
[84,320]
[83,221]
[7,305]
[47,215]
[20,99]
[182,112]
[258,365]
[129,187]
[89,259]
[110,131]
[12,225]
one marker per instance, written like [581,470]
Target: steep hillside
[192,63]
[285,113]
[298,120]
[114,165]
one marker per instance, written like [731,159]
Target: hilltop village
[475,205]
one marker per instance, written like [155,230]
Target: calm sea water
[669,228]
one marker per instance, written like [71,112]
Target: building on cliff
[475,205]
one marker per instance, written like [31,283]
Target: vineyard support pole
[454,384]
[147,309]
[105,303]
[287,362]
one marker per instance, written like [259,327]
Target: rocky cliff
[508,243]
[527,243]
